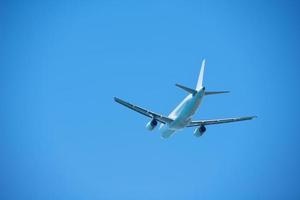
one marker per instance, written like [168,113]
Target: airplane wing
[218,121]
[145,112]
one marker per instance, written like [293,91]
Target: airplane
[181,116]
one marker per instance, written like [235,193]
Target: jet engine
[199,131]
[151,125]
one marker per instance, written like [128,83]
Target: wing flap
[145,112]
[218,121]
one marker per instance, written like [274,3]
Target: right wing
[218,121]
[145,112]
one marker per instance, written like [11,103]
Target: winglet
[117,99]
[200,78]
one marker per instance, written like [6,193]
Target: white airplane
[181,116]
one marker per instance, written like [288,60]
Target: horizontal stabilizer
[189,90]
[215,92]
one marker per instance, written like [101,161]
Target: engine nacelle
[151,125]
[199,131]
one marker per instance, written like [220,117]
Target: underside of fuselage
[182,114]
[167,132]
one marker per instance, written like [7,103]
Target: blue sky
[63,137]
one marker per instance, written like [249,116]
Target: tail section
[200,78]
[200,84]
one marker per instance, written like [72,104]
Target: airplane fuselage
[182,114]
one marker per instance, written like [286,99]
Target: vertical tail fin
[200,78]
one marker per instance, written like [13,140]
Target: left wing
[145,112]
[218,121]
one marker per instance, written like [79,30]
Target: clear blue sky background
[63,137]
